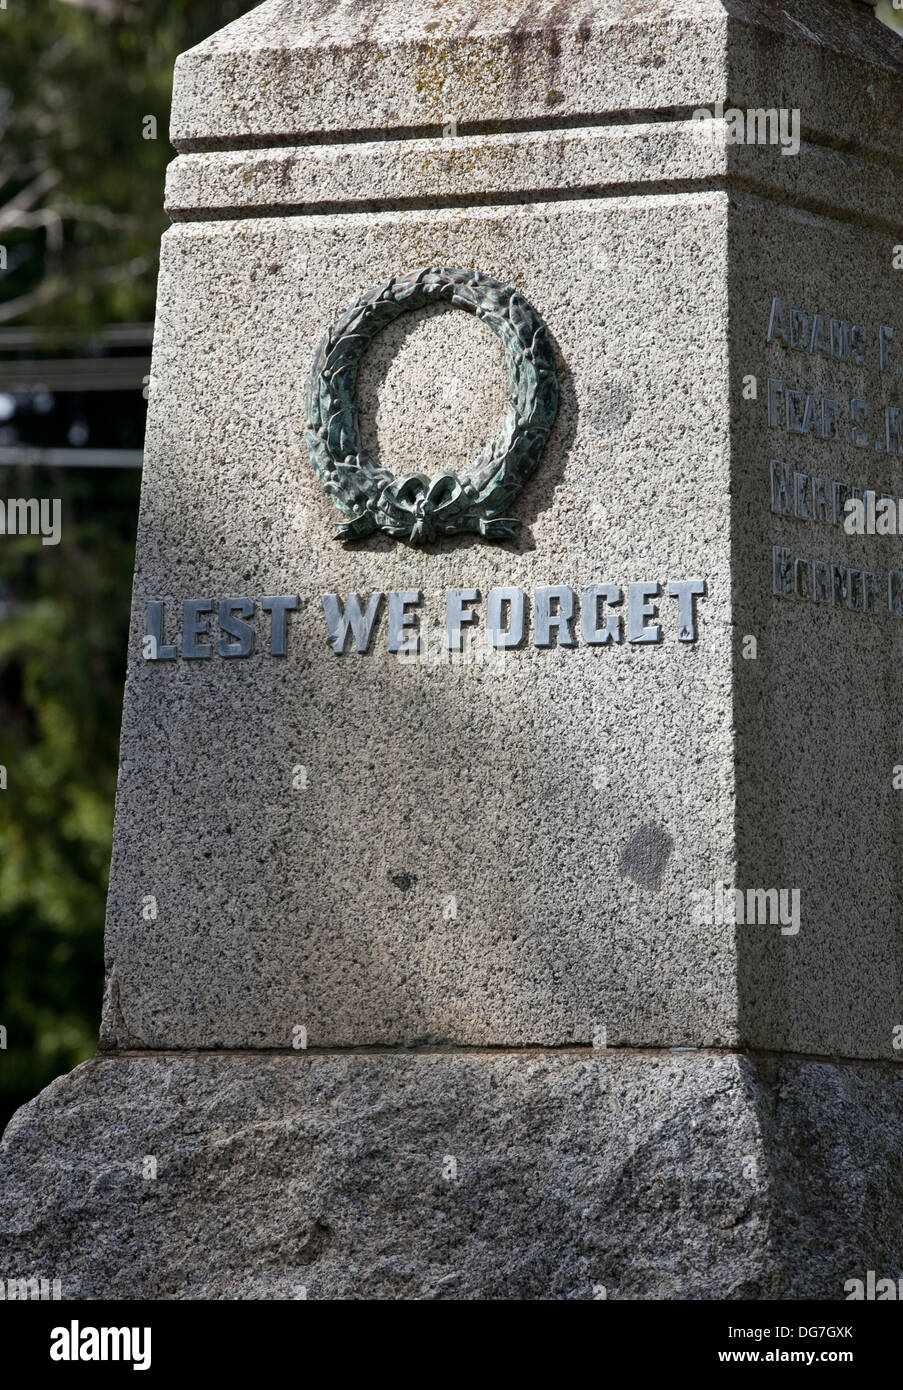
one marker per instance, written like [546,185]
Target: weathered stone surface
[513,785]
[819,709]
[679,1176]
[297,71]
[334,68]
[489,169]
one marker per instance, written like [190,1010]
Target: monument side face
[818,606]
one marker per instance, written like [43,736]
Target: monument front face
[496,844]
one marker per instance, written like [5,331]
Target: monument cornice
[289,72]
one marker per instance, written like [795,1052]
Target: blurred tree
[63,636]
[81,168]
[81,195]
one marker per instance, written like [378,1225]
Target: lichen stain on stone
[645,855]
[429,75]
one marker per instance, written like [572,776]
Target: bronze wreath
[416,506]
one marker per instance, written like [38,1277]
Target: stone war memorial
[507,892]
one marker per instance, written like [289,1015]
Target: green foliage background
[76,82]
[62,645]
[889,15]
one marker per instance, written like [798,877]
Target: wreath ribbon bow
[427,506]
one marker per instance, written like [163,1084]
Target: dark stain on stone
[318,1238]
[539,26]
[114,1030]
[645,855]
[404,881]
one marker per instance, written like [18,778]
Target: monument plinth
[506,886]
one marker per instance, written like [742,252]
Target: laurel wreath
[416,506]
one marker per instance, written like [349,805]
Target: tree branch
[27,197]
[49,290]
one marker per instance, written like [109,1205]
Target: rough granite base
[517,1175]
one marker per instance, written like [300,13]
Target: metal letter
[400,620]
[278,605]
[589,615]
[456,614]
[154,628]
[545,619]
[514,635]
[194,626]
[235,627]
[638,610]
[685,590]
